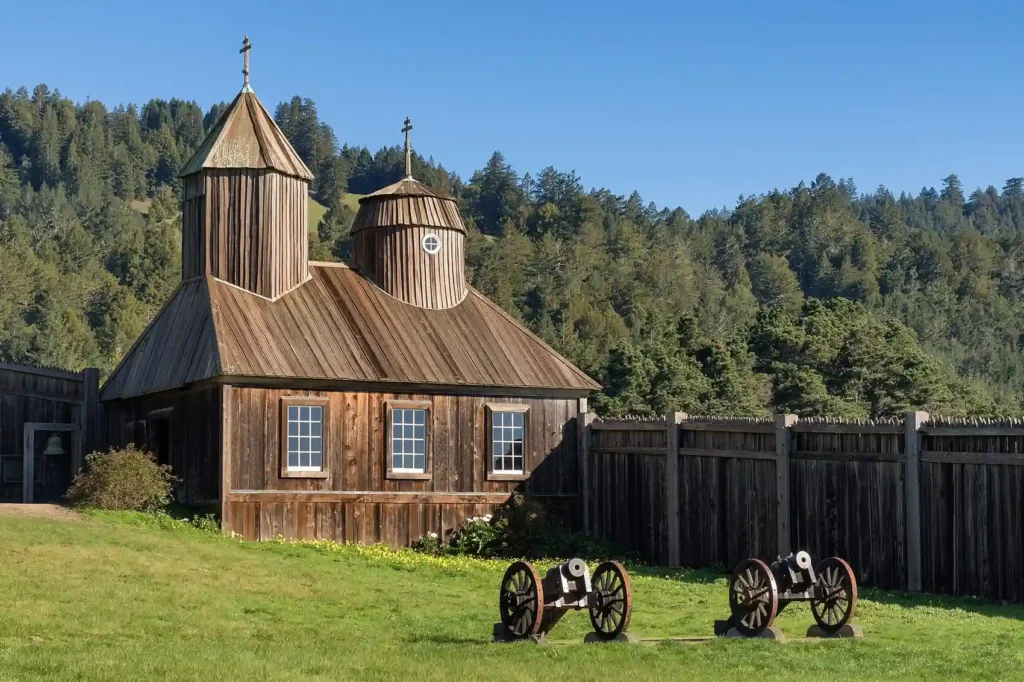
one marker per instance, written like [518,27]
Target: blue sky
[690,104]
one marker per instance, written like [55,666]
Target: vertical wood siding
[357,447]
[247,227]
[394,259]
[194,436]
[31,397]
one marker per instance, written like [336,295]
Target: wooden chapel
[374,401]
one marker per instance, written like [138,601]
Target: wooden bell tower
[245,201]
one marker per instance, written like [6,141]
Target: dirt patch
[40,511]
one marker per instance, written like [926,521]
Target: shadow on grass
[915,600]
[445,639]
[700,576]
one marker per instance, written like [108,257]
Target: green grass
[119,597]
[317,210]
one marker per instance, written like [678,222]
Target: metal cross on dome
[246,46]
[408,156]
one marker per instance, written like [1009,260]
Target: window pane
[517,449]
[517,419]
[314,444]
[420,447]
[419,463]
[293,428]
[315,429]
[303,459]
[421,432]
[315,413]
[317,460]
[421,416]
[293,412]
[303,428]
[396,431]
[304,412]
[293,459]
[293,444]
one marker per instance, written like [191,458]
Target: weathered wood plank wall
[626,459]
[247,227]
[357,501]
[849,490]
[39,394]
[191,436]
[972,510]
[847,497]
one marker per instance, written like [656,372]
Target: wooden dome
[409,240]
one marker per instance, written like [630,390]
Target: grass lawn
[118,597]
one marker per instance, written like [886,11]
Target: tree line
[817,299]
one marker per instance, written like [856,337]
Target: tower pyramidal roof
[246,136]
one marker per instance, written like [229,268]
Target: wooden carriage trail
[915,503]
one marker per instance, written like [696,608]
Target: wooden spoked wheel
[613,595]
[753,597]
[835,597]
[521,601]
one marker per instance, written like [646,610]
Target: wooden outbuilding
[375,401]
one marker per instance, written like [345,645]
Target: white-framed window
[409,440]
[431,243]
[508,434]
[507,426]
[305,449]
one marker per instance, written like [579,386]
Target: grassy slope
[316,210]
[114,598]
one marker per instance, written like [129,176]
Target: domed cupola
[410,241]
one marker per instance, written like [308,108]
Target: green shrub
[126,479]
[520,528]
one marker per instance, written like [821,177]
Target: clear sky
[691,104]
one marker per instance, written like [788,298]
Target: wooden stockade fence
[913,503]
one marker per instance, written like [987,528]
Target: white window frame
[496,416]
[399,411]
[312,404]
[437,243]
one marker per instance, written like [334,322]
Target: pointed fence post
[912,482]
[783,446]
[672,421]
[583,439]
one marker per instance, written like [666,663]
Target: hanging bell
[53,446]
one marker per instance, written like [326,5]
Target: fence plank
[783,445]
[912,475]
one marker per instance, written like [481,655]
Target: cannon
[530,606]
[758,592]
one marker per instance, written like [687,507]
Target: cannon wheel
[753,597]
[613,600]
[835,596]
[521,601]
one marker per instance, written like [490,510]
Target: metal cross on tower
[246,46]
[408,154]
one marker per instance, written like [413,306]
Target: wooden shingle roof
[338,326]
[247,137]
[407,202]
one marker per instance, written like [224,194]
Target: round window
[431,244]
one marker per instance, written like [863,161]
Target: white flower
[432,535]
[487,518]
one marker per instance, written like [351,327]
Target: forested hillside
[815,299]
